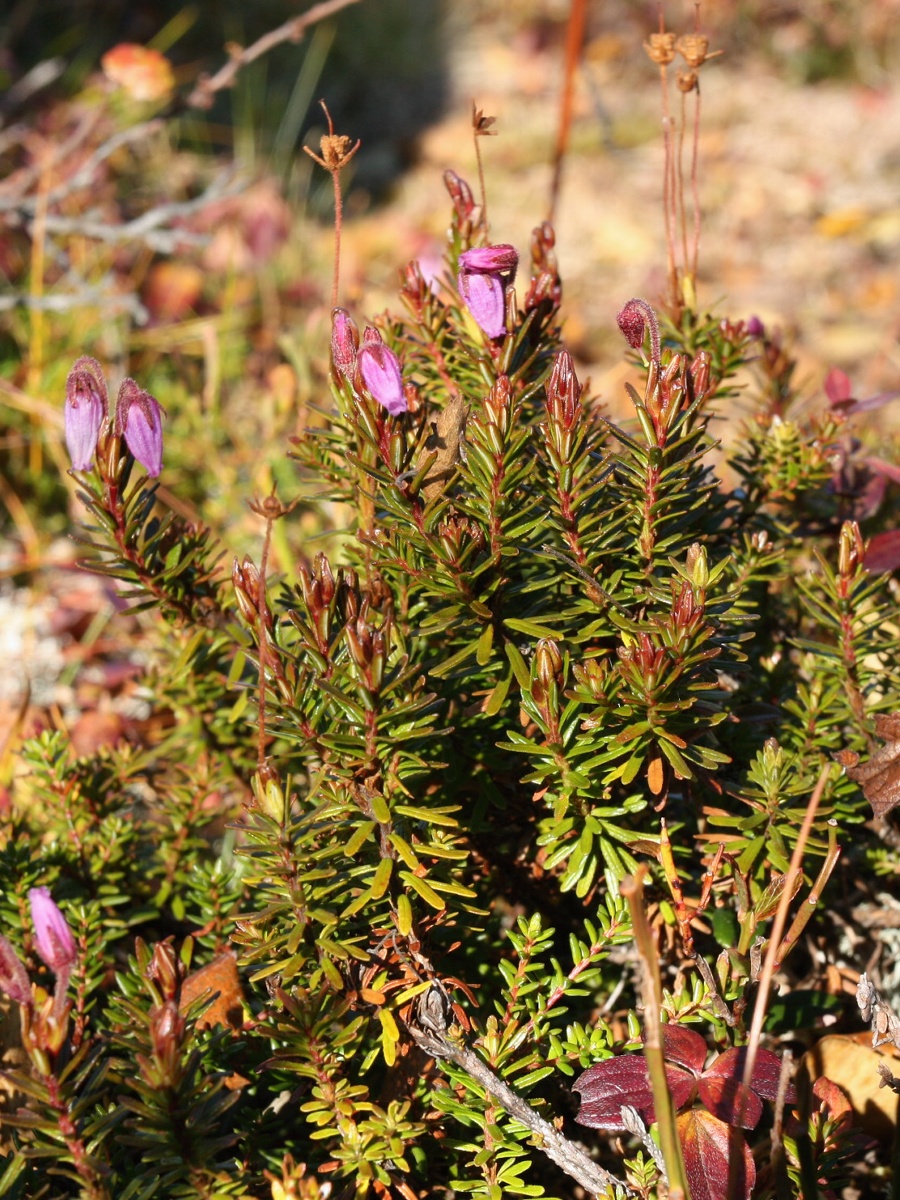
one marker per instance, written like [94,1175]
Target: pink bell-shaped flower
[86,409]
[55,943]
[484,275]
[139,420]
[380,371]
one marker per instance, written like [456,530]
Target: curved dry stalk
[768,968]
[290,31]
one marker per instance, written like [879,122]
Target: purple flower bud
[344,342]
[139,419]
[632,324]
[86,407]
[755,327]
[633,319]
[484,274]
[460,194]
[564,391]
[13,976]
[380,370]
[55,943]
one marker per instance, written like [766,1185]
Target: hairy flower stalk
[86,409]
[484,275]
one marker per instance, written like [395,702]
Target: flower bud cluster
[45,1017]
[246,581]
[137,418]
[368,646]
[546,285]
[564,394]
[372,367]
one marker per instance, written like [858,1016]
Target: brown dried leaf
[880,775]
[446,435]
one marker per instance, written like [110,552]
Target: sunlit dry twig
[290,31]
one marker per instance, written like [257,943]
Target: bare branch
[149,227]
[290,31]
[430,1031]
[88,297]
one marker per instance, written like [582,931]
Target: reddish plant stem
[695,184]
[574,41]
[768,969]
[263,610]
[338,227]
[668,185]
[66,1126]
[679,167]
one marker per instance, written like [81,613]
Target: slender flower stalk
[336,153]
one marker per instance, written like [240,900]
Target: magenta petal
[485,298]
[490,260]
[53,937]
[380,370]
[883,552]
[838,387]
[344,342]
[143,435]
[609,1085]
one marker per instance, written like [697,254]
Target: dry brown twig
[430,1029]
[575,31]
[774,945]
[239,56]
[885,1025]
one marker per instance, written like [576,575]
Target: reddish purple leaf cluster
[609,1085]
[717,1160]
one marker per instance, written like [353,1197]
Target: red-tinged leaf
[766,1072]
[717,1160]
[838,387]
[730,1101]
[607,1086]
[880,467]
[832,1097]
[883,552]
[682,1085]
[685,1047]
